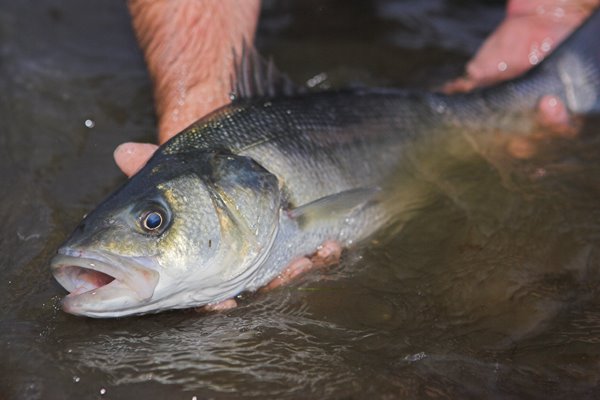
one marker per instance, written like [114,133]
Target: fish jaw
[103,286]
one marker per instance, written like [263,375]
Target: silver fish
[226,204]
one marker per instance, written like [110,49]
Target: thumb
[130,157]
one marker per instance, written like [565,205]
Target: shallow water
[489,292]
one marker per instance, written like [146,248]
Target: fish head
[189,229]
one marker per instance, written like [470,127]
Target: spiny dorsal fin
[256,77]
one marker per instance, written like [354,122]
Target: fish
[224,206]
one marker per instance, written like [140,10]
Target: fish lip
[132,281]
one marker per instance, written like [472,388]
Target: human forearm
[188,46]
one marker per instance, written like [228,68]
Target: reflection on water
[490,291]
[254,350]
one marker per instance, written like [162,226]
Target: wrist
[188,46]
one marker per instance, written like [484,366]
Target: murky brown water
[489,292]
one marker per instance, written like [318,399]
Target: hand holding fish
[188,47]
[194,80]
[260,184]
[531,30]
[186,91]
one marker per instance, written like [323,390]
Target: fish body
[228,203]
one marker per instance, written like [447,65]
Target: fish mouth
[100,284]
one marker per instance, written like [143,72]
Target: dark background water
[489,292]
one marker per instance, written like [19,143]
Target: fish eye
[152,221]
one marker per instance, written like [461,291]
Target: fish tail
[571,73]
[573,70]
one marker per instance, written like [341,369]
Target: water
[489,292]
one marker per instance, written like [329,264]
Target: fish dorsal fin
[334,205]
[256,77]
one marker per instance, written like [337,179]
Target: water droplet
[415,357]
[502,66]
[533,59]
[316,80]
[539,173]
[546,45]
[76,379]
[102,391]
[89,123]
[559,12]
[535,55]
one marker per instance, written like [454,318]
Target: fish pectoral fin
[334,205]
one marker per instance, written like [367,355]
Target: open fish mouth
[99,284]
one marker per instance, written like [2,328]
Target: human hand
[188,47]
[531,30]
[130,157]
